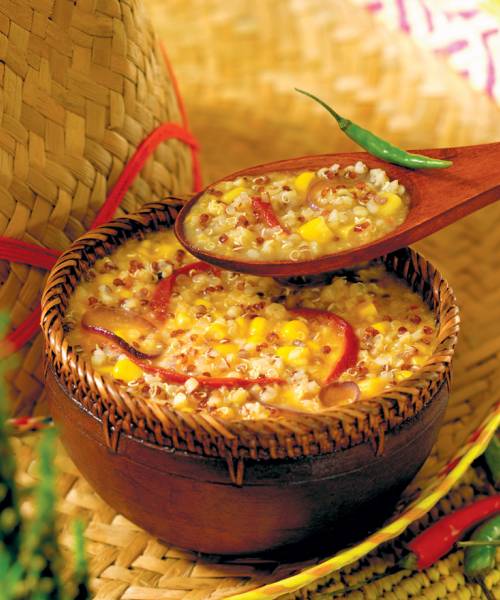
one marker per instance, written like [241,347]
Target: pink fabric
[460,30]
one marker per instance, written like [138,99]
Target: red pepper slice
[350,350]
[163,291]
[159,304]
[171,376]
[265,211]
[437,540]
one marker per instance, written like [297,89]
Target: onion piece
[285,409]
[103,320]
[315,191]
[338,394]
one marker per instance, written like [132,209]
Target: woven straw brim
[239,63]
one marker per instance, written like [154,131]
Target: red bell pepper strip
[439,539]
[349,355]
[171,376]
[265,211]
[163,291]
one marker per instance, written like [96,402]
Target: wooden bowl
[243,487]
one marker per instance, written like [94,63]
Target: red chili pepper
[349,355]
[163,291]
[439,538]
[171,376]
[265,211]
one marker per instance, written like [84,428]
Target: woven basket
[83,84]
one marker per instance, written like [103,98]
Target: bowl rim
[289,436]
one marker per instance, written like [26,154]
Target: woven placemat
[236,76]
[127,563]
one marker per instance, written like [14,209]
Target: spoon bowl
[437,199]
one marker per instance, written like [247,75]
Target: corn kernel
[226,349]
[382,326]
[302,181]
[182,319]
[242,325]
[367,310]
[166,251]
[258,328]
[295,356]
[107,278]
[289,396]
[316,230]
[119,332]
[128,335]
[229,196]
[202,302]
[393,204]
[239,397]
[344,231]
[372,387]
[402,375]
[179,400]
[294,330]
[126,370]
[218,331]
[313,346]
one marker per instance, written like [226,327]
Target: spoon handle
[473,181]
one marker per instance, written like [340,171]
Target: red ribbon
[195,165]
[164,132]
[27,254]
[45,258]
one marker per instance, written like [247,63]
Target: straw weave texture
[127,563]
[81,85]
[239,61]
[237,69]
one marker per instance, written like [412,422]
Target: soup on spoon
[296,215]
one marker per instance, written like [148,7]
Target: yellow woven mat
[236,75]
[127,563]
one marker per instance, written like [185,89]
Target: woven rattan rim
[204,434]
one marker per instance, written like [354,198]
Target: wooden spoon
[438,198]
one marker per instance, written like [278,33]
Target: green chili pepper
[379,147]
[492,459]
[480,560]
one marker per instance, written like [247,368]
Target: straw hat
[238,63]
[83,84]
